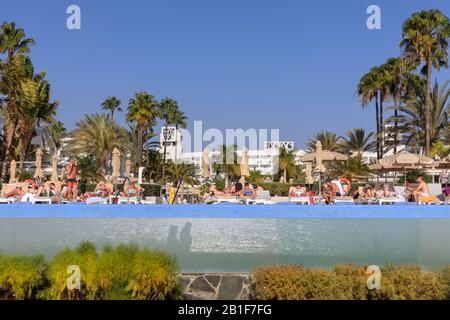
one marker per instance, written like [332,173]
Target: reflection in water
[183,245]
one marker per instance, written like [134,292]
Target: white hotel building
[262,160]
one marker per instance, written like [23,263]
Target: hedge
[125,272]
[348,282]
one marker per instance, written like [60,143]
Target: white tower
[173,140]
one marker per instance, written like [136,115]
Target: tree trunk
[25,146]
[164,155]
[381,127]
[378,125]
[9,136]
[396,106]
[139,147]
[428,110]
[284,175]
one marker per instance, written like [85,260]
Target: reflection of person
[172,241]
[185,237]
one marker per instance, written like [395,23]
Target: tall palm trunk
[25,142]
[378,125]
[10,126]
[396,106]
[428,109]
[164,155]
[381,127]
[139,146]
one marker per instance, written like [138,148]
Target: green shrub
[348,282]
[121,273]
[23,276]
[85,257]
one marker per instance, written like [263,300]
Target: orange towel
[429,199]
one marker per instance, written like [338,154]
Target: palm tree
[412,124]
[15,74]
[286,160]
[179,121]
[13,41]
[367,92]
[227,163]
[357,142]
[111,104]
[168,108]
[54,132]
[97,135]
[354,169]
[329,140]
[189,172]
[36,108]
[397,73]
[425,39]
[142,109]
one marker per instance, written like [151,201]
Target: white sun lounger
[262,197]
[4,200]
[300,200]
[41,200]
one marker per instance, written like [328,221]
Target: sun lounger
[96,200]
[41,200]
[300,200]
[344,200]
[227,199]
[262,197]
[128,200]
[5,200]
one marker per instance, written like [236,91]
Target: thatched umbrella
[115,163]
[38,173]
[402,161]
[12,172]
[319,156]
[54,176]
[127,168]
[206,172]
[244,165]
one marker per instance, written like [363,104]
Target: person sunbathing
[16,193]
[421,190]
[298,191]
[330,192]
[361,194]
[131,190]
[213,191]
[247,191]
[101,190]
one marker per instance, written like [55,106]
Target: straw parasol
[319,156]
[127,168]
[244,165]
[12,172]
[206,173]
[115,163]
[38,173]
[402,161]
[54,176]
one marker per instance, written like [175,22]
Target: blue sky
[292,65]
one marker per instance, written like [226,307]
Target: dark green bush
[348,282]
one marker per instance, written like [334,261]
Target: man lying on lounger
[297,192]
[247,192]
